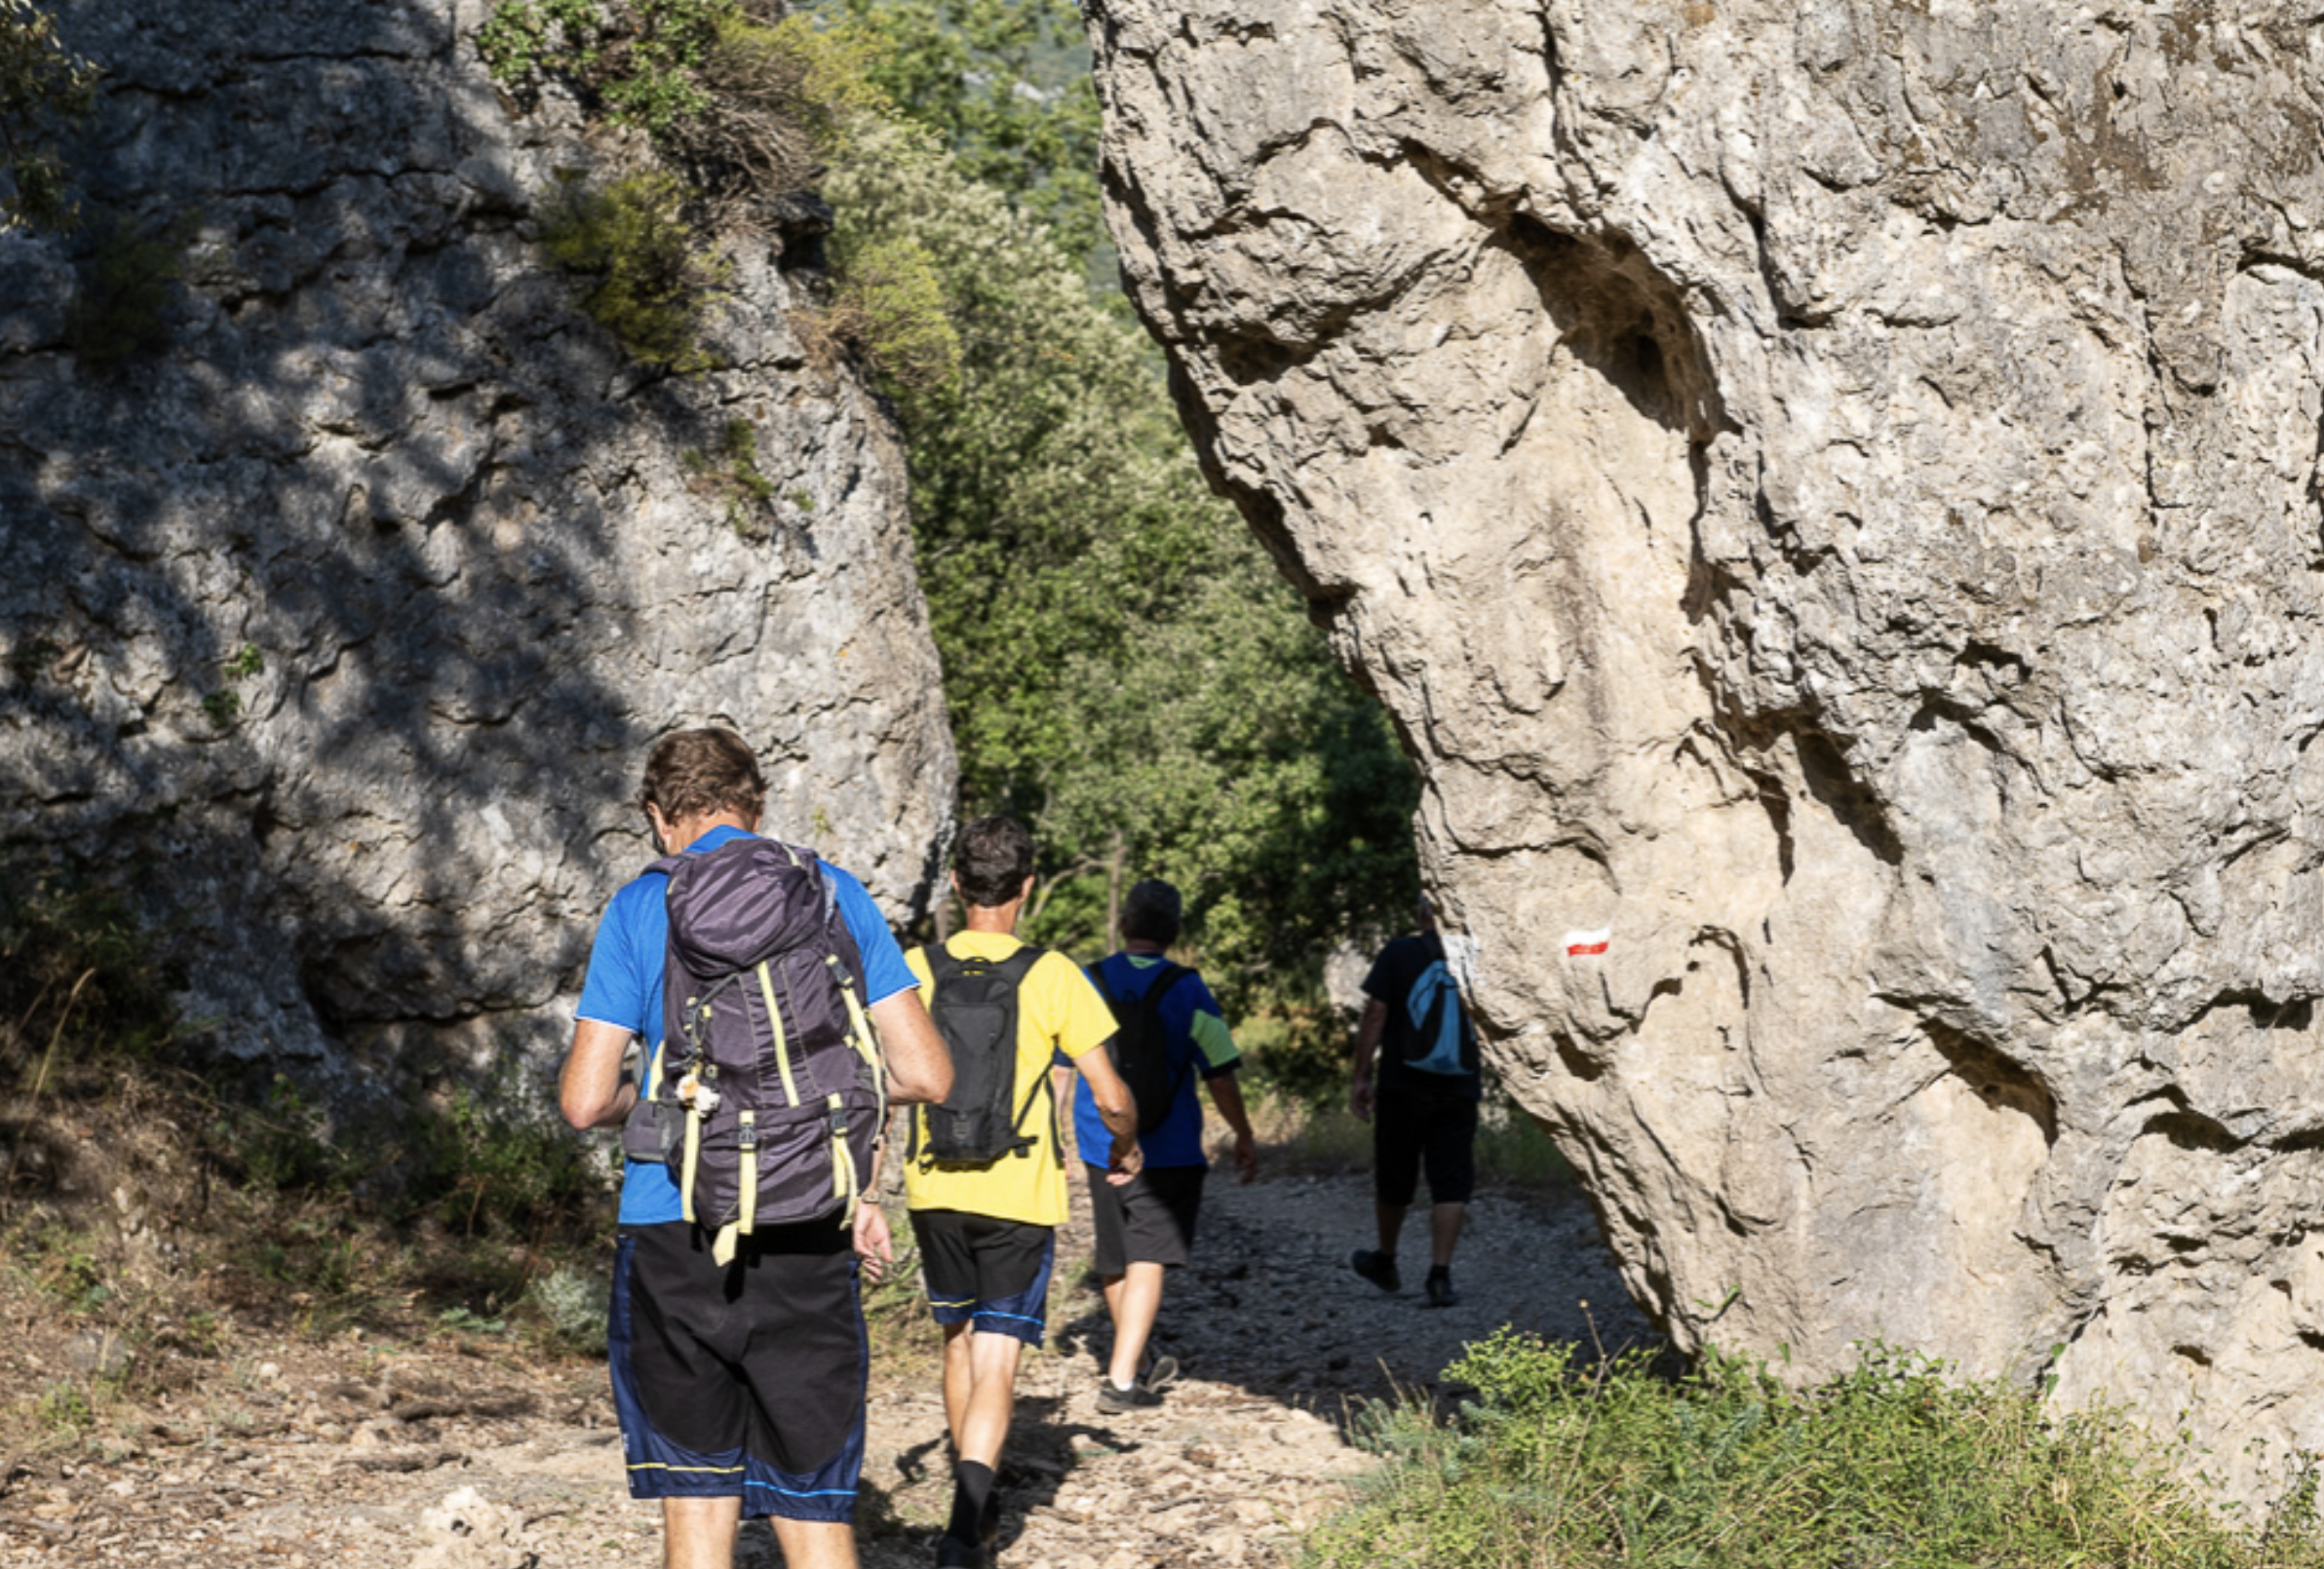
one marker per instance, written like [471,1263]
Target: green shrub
[655,271]
[888,304]
[64,1408]
[120,309]
[79,977]
[45,93]
[575,1304]
[637,57]
[1897,1465]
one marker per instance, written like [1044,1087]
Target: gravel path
[460,1454]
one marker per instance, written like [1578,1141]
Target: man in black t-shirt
[1424,1109]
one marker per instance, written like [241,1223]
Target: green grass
[1554,1465]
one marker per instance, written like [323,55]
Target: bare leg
[1444,1221]
[815,1543]
[1391,1226]
[960,1379]
[698,1533]
[1135,1301]
[983,1426]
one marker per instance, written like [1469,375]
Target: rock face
[340,620]
[1828,492]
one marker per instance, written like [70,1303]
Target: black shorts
[746,1380]
[992,1274]
[1148,1220]
[1413,1129]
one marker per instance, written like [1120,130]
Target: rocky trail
[461,1452]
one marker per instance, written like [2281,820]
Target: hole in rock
[1994,1078]
[1617,313]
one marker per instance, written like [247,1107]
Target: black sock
[1440,1272]
[972,1485]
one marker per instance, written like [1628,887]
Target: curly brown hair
[992,858]
[698,773]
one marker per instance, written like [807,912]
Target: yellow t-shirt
[1058,1009]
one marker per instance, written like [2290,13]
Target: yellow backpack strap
[693,1157]
[845,1183]
[721,1246]
[774,1016]
[746,1210]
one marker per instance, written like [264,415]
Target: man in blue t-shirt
[1146,1226]
[740,1386]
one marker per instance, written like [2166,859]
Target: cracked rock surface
[338,619]
[1828,493]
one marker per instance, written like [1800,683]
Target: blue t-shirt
[1200,1048]
[623,989]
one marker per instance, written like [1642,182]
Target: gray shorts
[1148,1220]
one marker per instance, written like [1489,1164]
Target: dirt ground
[456,1449]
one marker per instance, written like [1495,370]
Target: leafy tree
[1124,666]
[45,91]
[1006,85]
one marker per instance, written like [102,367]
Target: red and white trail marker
[1581,944]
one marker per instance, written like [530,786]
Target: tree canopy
[1124,666]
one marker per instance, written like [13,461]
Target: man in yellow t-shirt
[987,1224]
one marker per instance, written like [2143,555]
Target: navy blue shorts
[992,1274]
[746,1380]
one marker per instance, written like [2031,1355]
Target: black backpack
[1141,1047]
[975,1010]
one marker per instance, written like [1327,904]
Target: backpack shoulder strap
[1170,975]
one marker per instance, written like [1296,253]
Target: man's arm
[590,1090]
[1226,1093]
[919,1068]
[1116,1110]
[1368,1038]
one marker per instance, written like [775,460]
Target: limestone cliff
[340,620]
[1828,492]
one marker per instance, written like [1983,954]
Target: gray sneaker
[1139,1396]
[1158,1371]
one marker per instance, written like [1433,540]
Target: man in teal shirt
[1146,1227]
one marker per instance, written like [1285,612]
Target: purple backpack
[765,1095]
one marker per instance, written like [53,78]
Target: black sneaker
[1378,1268]
[953,1554]
[1115,1402]
[1440,1293]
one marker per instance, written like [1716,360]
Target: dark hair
[1152,912]
[698,773]
[992,858]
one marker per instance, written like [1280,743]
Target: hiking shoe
[1158,1371]
[1440,1291]
[1138,1397]
[953,1554]
[988,1525]
[1378,1268]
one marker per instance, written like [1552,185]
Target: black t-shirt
[1400,967]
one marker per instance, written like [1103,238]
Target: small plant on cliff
[888,305]
[731,472]
[1565,1465]
[120,310]
[45,93]
[654,272]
